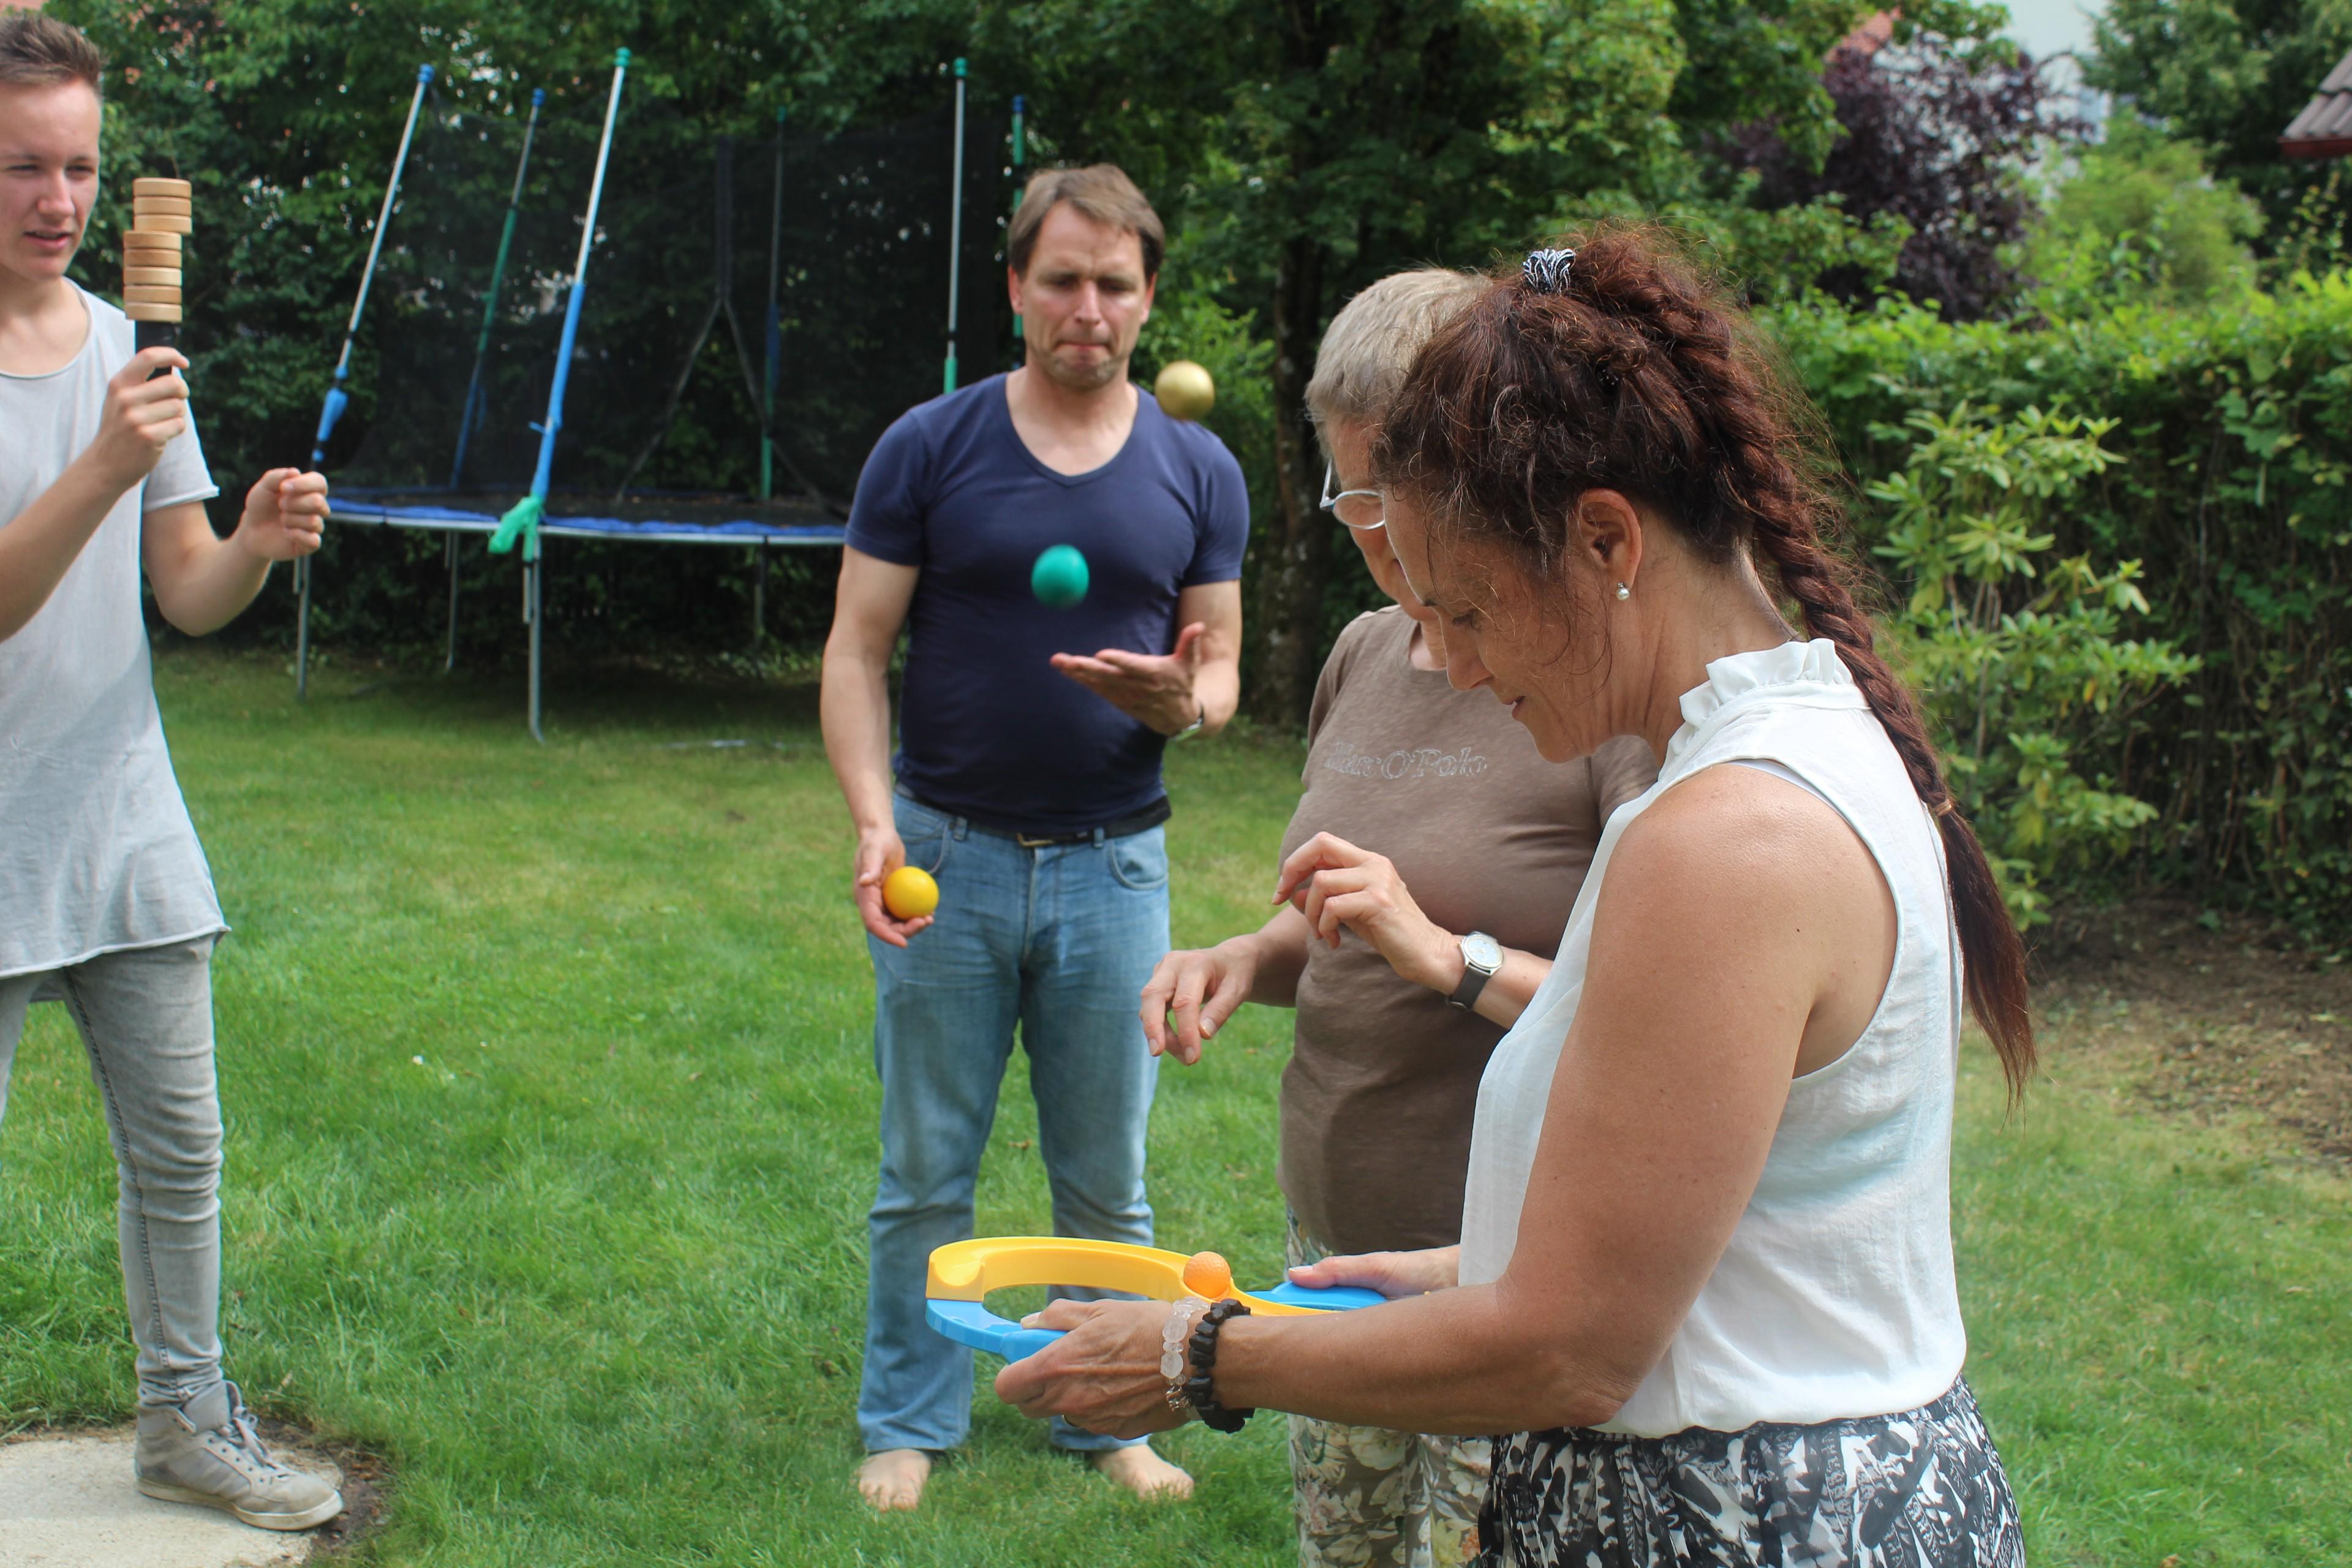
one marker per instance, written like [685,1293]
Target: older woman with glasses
[1400,994]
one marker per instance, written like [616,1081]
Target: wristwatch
[1482,956]
[1189,730]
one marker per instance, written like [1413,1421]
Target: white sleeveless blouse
[1835,1296]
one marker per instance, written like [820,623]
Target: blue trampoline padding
[971,1323]
[464,520]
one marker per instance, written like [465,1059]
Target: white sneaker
[206,1452]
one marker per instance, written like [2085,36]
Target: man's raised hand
[285,512]
[140,416]
[1155,689]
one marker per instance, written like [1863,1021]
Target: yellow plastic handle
[969,1270]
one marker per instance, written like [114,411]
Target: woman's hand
[1393,1274]
[1191,992]
[1103,1374]
[1333,883]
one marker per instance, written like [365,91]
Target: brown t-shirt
[1382,1083]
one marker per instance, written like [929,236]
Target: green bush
[2018,657]
[2233,492]
[2141,218]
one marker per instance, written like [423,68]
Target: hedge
[2235,428]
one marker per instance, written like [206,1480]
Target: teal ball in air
[1059,578]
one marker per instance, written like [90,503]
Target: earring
[1623,591]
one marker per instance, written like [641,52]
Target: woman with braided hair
[1704,1286]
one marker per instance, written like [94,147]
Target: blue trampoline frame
[367,509]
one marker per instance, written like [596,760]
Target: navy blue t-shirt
[987,728]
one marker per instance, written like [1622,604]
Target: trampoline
[557,348]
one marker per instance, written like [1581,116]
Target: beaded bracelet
[1201,1391]
[1173,1339]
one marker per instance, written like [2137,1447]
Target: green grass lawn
[551,1123]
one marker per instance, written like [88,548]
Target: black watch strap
[1473,981]
[1474,978]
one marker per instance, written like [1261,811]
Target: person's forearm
[210,585]
[854,708]
[1281,945]
[39,545]
[1504,997]
[1507,996]
[1217,685]
[1467,1361]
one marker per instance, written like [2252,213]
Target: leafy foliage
[2233,494]
[2020,659]
[1932,135]
[2139,218]
[2228,75]
[1307,149]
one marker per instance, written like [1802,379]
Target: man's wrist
[243,538]
[100,482]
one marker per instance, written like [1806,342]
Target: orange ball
[908,891]
[1208,1276]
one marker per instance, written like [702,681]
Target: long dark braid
[1624,371]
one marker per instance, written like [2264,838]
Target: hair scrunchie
[1547,272]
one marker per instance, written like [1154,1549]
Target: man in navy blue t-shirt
[1027,778]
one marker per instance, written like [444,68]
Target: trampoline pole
[523,519]
[302,629]
[469,414]
[535,590]
[337,398]
[758,593]
[772,348]
[1019,160]
[955,227]
[450,662]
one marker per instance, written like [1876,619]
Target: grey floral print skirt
[1920,1489]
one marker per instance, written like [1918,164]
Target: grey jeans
[146,1017]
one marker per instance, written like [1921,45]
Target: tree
[2228,75]
[2139,218]
[1933,134]
[1308,148]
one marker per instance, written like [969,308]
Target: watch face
[1482,952]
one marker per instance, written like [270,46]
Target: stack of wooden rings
[159,211]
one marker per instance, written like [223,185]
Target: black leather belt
[1143,821]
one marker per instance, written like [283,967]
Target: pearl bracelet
[1173,1342]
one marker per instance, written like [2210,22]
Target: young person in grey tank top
[1706,1282]
[1431,843]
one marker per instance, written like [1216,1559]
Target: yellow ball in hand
[907,892]
[1185,390]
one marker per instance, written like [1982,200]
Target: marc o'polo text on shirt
[1422,761]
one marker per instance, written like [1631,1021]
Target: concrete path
[68,1502]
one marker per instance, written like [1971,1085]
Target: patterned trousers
[1919,1489]
[1370,1498]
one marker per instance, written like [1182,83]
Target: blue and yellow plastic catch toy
[962,1273]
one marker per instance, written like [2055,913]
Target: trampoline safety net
[854,225]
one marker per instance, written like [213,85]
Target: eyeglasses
[1362,511]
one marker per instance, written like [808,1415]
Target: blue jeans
[146,1019]
[1058,940]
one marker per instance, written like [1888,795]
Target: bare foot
[893,1478]
[1144,1473]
